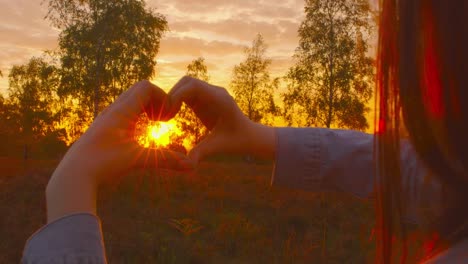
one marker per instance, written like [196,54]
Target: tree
[332,79]
[187,120]
[105,46]
[198,69]
[32,90]
[8,127]
[253,89]
[8,122]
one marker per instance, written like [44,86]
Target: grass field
[225,212]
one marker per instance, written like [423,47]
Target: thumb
[148,158]
[210,145]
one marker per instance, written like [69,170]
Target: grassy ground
[225,212]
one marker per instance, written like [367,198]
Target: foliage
[105,46]
[52,145]
[9,124]
[331,82]
[9,120]
[73,118]
[29,110]
[252,85]
[188,122]
[198,69]
[256,224]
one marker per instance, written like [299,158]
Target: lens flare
[158,134]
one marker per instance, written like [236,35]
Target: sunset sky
[218,30]
[215,29]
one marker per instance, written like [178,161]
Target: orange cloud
[197,46]
[215,29]
[23,33]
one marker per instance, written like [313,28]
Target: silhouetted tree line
[105,46]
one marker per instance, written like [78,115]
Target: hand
[230,130]
[107,150]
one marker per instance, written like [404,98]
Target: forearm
[262,141]
[70,190]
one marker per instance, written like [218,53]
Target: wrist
[262,141]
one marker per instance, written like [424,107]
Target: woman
[420,74]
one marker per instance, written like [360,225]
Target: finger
[125,94]
[181,92]
[144,96]
[188,90]
[148,98]
[209,146]
[148,158]
[205,103]
[184,80]
[121,97]
[199,96]
[177,98]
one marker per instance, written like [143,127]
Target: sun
[158,134]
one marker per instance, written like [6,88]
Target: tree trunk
[96,100]
[97,87]
[330,97]
[252,90]
[331,81]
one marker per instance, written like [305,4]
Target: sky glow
[217,30]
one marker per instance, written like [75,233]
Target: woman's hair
[422,76]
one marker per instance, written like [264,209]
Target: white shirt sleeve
[76,238]
[318,159]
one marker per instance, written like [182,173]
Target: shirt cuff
[70,239]
[298,159]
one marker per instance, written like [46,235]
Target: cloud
[239,30]
[280,65]
[169,72]
[277,21]
[235,20]
[179,46]
[27,38]
[211,8]
[23,33]
[212,5]
[218,30]
[23,24]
